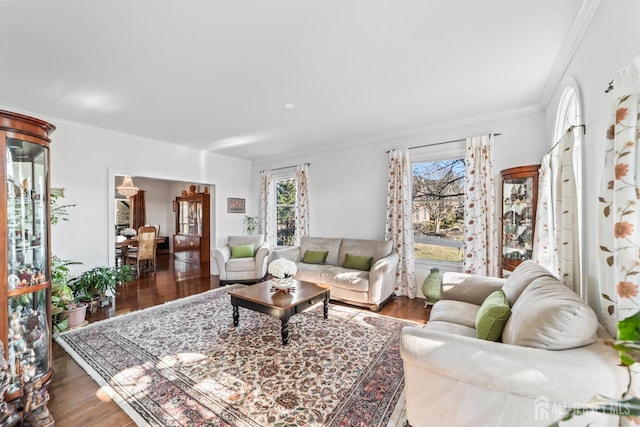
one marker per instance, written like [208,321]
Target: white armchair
[235,262]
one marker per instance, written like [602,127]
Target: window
[286,210]
[438,209]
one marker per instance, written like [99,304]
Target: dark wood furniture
[126,244]
[519,203]
[264,299]
[191,243]
[146,252]
[25,262]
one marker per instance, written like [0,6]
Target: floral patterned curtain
[268,208]
[399,226]
[618,214]
[481,254]
[557,240]
[302,202]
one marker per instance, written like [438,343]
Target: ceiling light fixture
[289,106]
[127,188]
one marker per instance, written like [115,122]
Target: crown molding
[390,138]
[568,49]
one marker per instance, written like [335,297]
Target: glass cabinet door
[517,218]
[519,196]
[27,255]
[190,217]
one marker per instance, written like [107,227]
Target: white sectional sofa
[368,288]
[550,355]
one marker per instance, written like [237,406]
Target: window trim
[451,151]
[571,94]
[283,176]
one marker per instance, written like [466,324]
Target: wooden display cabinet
[25,265]
[191,243]
[519,203]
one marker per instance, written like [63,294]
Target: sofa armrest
[292,253]
[469,288]
[262,259]
[220,256]
[558,375]
[382,278]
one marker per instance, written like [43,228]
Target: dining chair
[146,248]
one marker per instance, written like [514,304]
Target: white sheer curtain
[481,254]
[618,216]
[399,226]
[268,208]
[302,202]
[557,240]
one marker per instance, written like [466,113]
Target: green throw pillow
[315,257]
[357,262]
[244,251]
[492,316]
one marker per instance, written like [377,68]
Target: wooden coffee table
[264,299]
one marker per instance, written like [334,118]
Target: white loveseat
[371,288]
[550,356]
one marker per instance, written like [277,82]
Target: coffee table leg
[236,315]
[325,307]
[285,331]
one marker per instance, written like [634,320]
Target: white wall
[84,161]
[610,42]
[348,183]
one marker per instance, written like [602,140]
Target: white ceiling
[216,75]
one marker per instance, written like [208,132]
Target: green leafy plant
[251,224]
[628,346]
[62,295]
[58,212]
[101,280]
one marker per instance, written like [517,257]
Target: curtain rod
[569,129]
[443,142]
[286,167]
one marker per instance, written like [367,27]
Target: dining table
[123,243]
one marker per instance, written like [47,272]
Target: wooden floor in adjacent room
[77,401]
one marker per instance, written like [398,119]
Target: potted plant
[66,311]
[250,224]
[99,283]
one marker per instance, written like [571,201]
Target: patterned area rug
[185,364]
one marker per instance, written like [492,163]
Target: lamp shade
[127,188]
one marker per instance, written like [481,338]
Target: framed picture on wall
[235,205]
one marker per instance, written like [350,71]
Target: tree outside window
[438,209]
[286,209]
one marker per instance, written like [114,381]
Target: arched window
[569,119]
[569,112]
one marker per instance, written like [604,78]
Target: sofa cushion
[354,280]
[331,245]
[377,249]
[549,315]
[243,251]
[521,277]
[241,264]
[453,311]
[492,316]
[357,262]
[451,328]
[309,272]
[315,257]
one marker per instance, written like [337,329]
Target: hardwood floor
[77,401]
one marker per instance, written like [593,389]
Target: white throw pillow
[549,315]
